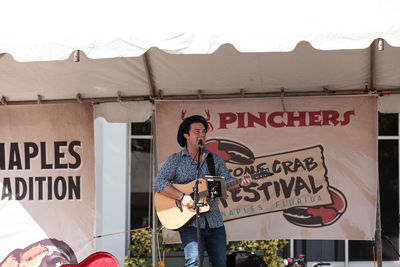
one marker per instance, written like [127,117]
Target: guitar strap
[211,168]
[210,163]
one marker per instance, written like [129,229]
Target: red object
[330,212]
[214,147]
[98,259]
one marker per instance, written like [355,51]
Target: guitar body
[171,213]
[98,259]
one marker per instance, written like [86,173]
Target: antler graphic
[208,114]
[209,124]
[183,113]
[207,111]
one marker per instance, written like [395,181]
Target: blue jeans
[212,239]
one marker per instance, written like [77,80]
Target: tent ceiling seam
[121,99]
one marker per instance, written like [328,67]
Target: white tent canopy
[138,50]
[48,30]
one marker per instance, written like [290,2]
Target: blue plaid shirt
[180,168]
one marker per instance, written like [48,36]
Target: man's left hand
[246,181]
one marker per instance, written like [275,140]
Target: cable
[373,253]
[123,232]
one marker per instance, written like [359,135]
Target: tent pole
[372,71]
[154,242]
[378,233]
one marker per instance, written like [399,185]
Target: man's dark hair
[187,127]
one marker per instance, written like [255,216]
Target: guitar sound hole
[178,204]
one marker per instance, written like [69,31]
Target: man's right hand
[173,193]
[187,201]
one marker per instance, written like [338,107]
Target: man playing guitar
[180,168]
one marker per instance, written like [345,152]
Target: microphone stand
[197,206]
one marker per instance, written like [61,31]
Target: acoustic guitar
[173,215]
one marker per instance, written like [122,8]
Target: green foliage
[141,245]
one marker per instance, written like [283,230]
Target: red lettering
[272,122]
[314,117]
[260,120]
[241,119]
[284,119]
[346,116]
[330,116]
[226,118]
[301,118]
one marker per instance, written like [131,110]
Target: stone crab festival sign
[322,153]
[299,181]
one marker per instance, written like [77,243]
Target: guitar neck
[233,183]
[255,176]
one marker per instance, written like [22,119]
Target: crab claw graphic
[213,147]
[231,151]
[318,216]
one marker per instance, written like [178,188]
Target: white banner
[322,152]
[47,184]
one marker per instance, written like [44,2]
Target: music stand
[216,186]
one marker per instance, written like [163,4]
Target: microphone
[200,141]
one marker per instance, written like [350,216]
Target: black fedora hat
[185,124]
